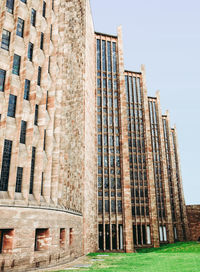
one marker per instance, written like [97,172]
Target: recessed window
[36,115]
[42,41]
[49,65]
[6,240]
[42,184]
[41,239]
[24,1]
[26,89]
[39,76]
[62,237]
[44,9]
[23,132]
[32,170]
[70,236]
[18,187]
[33,17]
[47,100]
[44,143]
[16,65]
[20,27]
[30,51]
[12,105]
[10,6]
[5,165]
[2,80]
[5,43]
[52,4]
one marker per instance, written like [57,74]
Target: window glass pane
[2,80]
[23,132]
[16,64]
[39,76]
[5,39]
[10,5]
[32,170]
[5,165]
[20,27]
[24,1]
[26,89]
[36,115]
[33,17]
[19,180]
[12,105]
[30,51]
[114,57]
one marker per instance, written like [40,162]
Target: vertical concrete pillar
[126,191]
[150,167]
[174,182]
[164,172]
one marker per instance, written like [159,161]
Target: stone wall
[24,221]
[193,215]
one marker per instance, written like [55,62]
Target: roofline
[106,35]
[128,71]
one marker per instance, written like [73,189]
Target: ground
[179,257]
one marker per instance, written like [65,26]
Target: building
[87,159]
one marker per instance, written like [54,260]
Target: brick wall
[193,215]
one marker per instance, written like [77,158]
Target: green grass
[179,257]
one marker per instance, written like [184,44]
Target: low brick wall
[193,214]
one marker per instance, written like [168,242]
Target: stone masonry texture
[86,163]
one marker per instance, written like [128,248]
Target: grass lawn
[179,257]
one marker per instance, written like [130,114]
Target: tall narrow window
[5,42]
[30,51]
[32,170]
[52,4]
[44,143]
[36,115]
[41,41]
[33,17]
[23,132]
[42,183]
[44,9]
[26,89]
[5,165]
[70,236]
[20,27]
[16,65]
[39,76]
[62,237]
[12,105]
[49,65]
[18,187]
[2,80]
[10,6]
[47,100]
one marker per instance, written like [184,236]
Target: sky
[165,36]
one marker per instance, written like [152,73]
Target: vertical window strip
[32,170]
[104,55]
[114,53]
[5,165]
[23,132]
[19,177]
[98,54]
[5,42]
[2,80]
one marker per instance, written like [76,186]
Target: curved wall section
[37,237]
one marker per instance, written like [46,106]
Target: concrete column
[174,181]
[164,172]
[126,191]
[150,167]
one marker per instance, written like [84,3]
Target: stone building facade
[47,133]
[87,160]
[193,215]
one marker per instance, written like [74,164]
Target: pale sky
[165,36]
